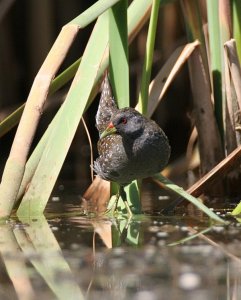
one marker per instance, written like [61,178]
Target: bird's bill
[108,131]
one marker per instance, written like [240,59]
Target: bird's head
[127,122]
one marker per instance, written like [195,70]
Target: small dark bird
[131,146]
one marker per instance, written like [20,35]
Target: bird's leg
[114,207]
[121,193]
[124,198]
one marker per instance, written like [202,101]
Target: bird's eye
[124,121]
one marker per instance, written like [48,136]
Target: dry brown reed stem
[168,72]
[234,66]
[229,163]
[233,101]
[229,129]
[233,96]
[15,165]
[209,140]
[39,91]
[97,195]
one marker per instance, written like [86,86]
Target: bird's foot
[129,212]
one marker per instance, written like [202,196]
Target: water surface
[68,255]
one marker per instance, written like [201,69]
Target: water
[70,256]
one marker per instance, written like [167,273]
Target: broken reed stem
[166,75]
[15,165]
